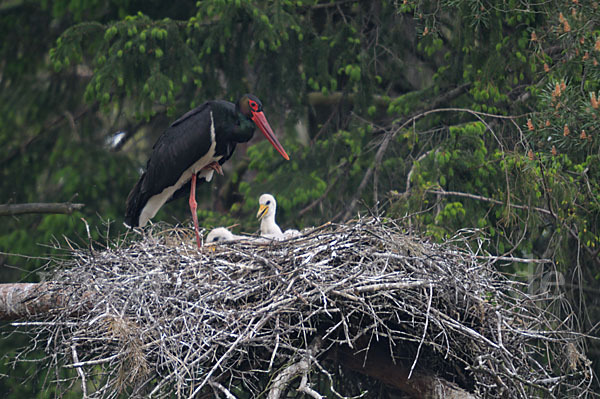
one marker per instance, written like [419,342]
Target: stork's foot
[215,166]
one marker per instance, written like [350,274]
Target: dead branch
[487,199]
[283,379]
[301,368]
[50,207]
[80,372]
[221,388]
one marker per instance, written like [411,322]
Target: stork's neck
[244,129]
[268,226]
[232,125]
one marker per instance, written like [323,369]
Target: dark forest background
[456,116]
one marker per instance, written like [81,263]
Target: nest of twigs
[156,317]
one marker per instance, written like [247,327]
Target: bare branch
[304,388]
[27,300]
[301,368]
[80,372]
[412,368]
[221,388]
[284,378]
[40,207]
[487,199]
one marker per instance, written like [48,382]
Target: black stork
[193,148]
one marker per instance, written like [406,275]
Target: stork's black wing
[178,148]
[224,122]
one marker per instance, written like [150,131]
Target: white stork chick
[221,234]
[266,214]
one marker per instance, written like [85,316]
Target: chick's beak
[262,211]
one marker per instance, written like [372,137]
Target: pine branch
[48,127]
[456,92]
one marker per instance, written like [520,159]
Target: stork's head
[250,106]
[266,206]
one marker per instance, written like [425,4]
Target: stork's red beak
[259,119]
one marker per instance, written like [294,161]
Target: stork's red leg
[193,207]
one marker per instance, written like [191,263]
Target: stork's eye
[253,105]
[215,239]
[268,202]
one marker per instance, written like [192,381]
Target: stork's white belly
[157,201]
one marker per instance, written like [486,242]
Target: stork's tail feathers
[135,204]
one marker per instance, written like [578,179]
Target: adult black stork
[193,148]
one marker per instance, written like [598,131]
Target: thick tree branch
[221,388]
[301,368]
[24,300]
[283,379]
[40,207]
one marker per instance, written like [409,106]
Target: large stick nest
[156,317]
